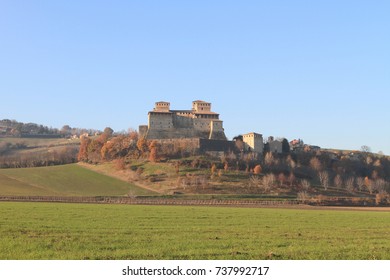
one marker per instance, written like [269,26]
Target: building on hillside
[199,122]
[275,146]
[253,142]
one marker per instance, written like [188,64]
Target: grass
[81,231]
[64,180]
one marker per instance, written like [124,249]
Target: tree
[368,184]
[282,179]
[269,159]
[213,169]
[350,184]
[142,145]
[268,182]
[324,179]
[66,130]
[305,184]
[108,131]
[338,181]
[303,197]
[360,183]
[365,149]
[257,170]
[291,179]
[154,148]
[315,164]
[83,152]
[285,146]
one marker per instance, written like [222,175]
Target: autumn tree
[315,164]
[213,169]
[154,148]
[226,166]
[83,152]
[368,184]
[142,145]
[257,170]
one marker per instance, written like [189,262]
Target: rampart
[200,122]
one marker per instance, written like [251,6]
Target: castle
[199,127]
[199,122]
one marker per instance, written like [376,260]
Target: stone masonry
[199,122]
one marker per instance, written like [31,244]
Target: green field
[82,231]
[64,180]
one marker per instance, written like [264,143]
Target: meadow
[63,180]
[86,231]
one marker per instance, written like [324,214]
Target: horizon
[315,71]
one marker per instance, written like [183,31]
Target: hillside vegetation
[307,175]
[65,180]
[35,152]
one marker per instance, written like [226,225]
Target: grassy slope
[79,231]
[65,180]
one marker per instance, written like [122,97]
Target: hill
[65,180]
[35,152]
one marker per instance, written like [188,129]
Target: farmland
[64,180]
[83,231]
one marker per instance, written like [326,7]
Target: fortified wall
[199,122]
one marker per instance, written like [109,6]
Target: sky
[314,70]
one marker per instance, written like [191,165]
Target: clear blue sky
[316,70]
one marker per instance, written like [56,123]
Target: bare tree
[303,197]
[305,184]
[324,179]
[269,159]
[255,181]
[338,181]
[290,162]
[365,149]
[350,184]
[268,181]
[291,179]
[379,185]
[360,183]
[282,179]
[315,164]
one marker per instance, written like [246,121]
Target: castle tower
[254,141]
[162,106]
[200,106]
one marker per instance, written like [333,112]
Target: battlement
[200,122]
[162,106]
[200,106]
